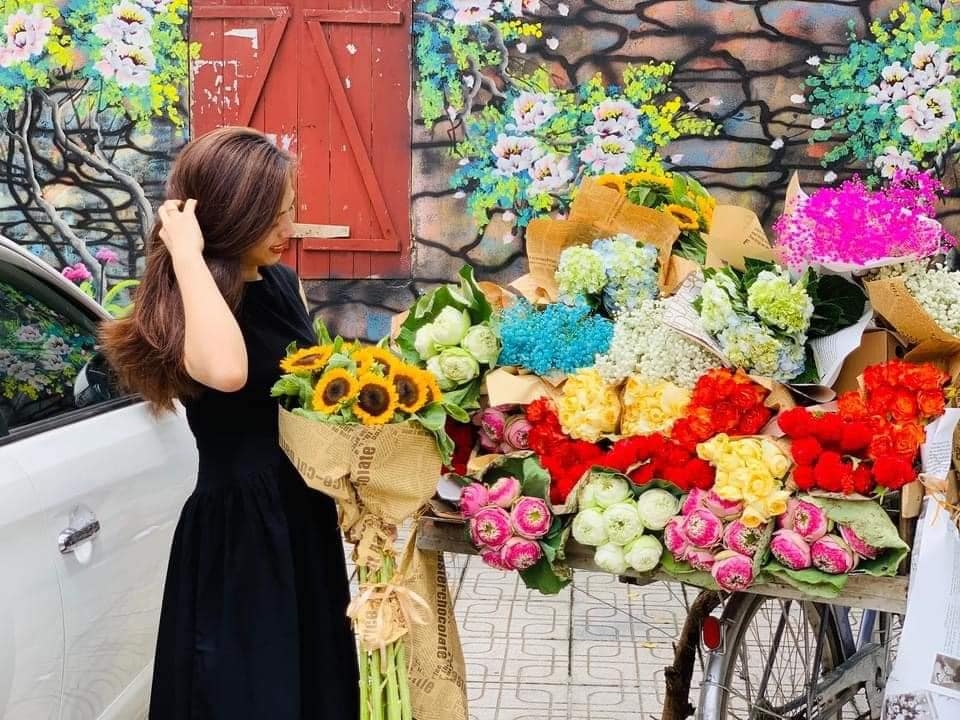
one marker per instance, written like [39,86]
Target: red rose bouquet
[723,401]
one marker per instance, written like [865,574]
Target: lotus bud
[505,491]
[790,549]
[492,558]
[473,499]
[490,528]
[516,431]
[856,543]
[833,556]
[644,553]
[520,553]
[674,538]
[588,527]
[742,539]
[531,518]
[693,501]
[492,424]
[732,571]
[701,560]
[656,507]
[809,520]
[723,509]
[622,523]
[703,529]
[609,488]
[610,558]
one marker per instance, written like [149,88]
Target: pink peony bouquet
[708,536]
[503,429]
[510,522]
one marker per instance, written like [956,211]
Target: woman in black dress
[254,623]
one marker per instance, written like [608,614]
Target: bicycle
[783,659]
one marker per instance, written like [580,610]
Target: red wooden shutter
[307,73]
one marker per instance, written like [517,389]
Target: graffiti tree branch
[22,138]
[99,161]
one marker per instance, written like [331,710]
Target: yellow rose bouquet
[589,407]
[651,407]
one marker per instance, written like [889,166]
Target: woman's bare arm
[214,352]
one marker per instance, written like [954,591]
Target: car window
[45,344]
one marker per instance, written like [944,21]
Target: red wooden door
[307,72]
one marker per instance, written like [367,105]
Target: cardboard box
[876,346]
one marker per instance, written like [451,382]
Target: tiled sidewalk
[595,652]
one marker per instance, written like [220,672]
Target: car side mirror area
[95,383]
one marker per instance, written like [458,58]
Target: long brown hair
[238,178]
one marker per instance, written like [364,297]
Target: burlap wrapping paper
[891,299]
[379,478]
[598,211]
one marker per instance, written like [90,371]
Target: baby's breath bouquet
[763,318]
[368,429]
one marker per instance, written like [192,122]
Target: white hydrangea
[938,292]
[643,345]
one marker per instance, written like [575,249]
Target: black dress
[253,625]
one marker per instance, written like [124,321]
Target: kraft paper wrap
[736,234]
[597,211]
[379,478]
[891,299]
[510,386]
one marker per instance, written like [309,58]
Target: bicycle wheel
[775,651]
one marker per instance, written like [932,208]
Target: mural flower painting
[524,155]
[127,23]
[25,34]
[891,101]
[127,65]
[462,46]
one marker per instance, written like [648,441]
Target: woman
[253,623]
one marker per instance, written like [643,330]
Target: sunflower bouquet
[367,429]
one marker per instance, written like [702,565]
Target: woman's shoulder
[284,276]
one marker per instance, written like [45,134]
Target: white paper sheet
[936,453]
[830,351]
[925,682]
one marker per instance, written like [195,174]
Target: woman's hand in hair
[179,229]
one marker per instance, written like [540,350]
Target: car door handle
[70,538]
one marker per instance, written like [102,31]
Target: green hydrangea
[581,272]
[780,303]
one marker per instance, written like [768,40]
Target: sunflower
[650,180]
[307,360]
[411,388]
[432,387]
[376,400]
[333,388]
[368,357]
[706,206]
[616,182]
[686,218]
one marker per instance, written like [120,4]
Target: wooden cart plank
[861,591]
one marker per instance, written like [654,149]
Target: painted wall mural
[91,112]
[517,99]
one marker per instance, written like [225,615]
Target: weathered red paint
[307,72]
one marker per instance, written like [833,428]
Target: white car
[91,486]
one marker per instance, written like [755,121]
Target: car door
[31,624]
[110,479]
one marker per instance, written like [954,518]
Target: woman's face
[275,243]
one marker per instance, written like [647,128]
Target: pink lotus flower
[723,509]
[742,539]
[492,422]
[490,528]
[520,553]
[807,519]
[473,499]
[673,537]
[832,555]
[531,518]
[701,560]
[702,528]
[76,273]
[516,431]
[505,491]
[790,549]
[492,558]
[732,571]
[693,501]
[856,543]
